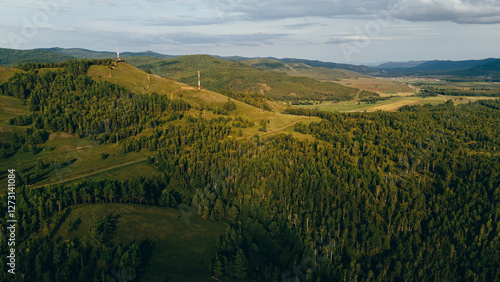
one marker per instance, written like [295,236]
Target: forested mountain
[437,65]
[10,57]
[391,65]
[471,69]
[90,54]
[330,65]
[302,69]
[409,195]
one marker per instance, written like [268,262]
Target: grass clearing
[379,85]
[184,243]
[6,73]
[390,105]
[78,158]
[439,83]
[9,108]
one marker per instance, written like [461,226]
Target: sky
[342,31]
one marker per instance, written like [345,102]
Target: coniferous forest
[409,195]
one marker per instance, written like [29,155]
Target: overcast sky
[344,31]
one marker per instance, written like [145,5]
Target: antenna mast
[199,83]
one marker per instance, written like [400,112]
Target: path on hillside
[281,129]
[453,98]
[94,172]
[272,131]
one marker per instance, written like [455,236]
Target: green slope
[138,81]
[218,74]
[90,164]
[302,69]
[5,74]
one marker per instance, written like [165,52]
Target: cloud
[458,11]
[186,38]
[358,39]
[183,21]
[343,39]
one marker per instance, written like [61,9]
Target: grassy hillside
[9,57]
[5,74]
[85,156]
[379,85]
[302,69]
[9,108]
[138,81]
[218,74]
[184,243]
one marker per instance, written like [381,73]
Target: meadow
[379,85]
[182,243]
[391,105]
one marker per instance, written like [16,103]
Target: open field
[391,105]
[77,158]
[379,85]
[9,108]
[439,83]
[6,73]
[184,243]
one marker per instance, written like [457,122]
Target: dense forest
[408,195]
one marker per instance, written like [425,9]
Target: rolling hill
[218,74]
[302,69]
[330,65]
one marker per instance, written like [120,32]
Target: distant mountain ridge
[437,65]
[90,54]
[10,57]
[395,65]
[466,68]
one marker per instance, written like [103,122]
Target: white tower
[199,83]
[117,54]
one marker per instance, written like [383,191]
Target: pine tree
[240,265]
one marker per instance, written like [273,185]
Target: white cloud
[458,11]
